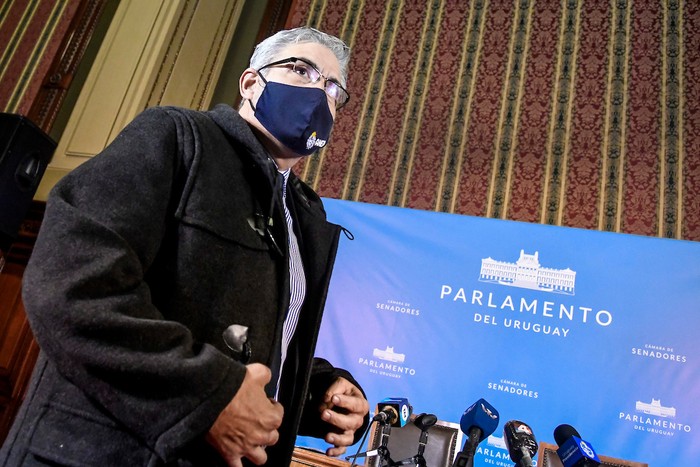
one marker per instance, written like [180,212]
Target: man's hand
[345,408]
[249,422]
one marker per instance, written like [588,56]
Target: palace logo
[527,273]
[387,362]
[655,408]
[655,418]
[499,308]
[389,355]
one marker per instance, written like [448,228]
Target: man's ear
[246,83]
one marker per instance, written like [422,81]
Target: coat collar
[240,133]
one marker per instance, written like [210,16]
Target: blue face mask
[298,117]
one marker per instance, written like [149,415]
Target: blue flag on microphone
[575,452]
[481,415]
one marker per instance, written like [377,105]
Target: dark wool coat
[146,254]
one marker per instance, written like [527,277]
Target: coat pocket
[71,437]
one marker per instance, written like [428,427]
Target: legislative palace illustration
[527,273]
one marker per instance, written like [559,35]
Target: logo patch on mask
[313,141]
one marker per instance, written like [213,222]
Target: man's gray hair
[268,50]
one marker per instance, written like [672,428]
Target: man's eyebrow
[308,60]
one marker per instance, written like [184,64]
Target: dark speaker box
[25,151]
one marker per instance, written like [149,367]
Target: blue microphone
[394,411]
[478,422]
[573,451]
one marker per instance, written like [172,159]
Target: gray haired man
[188,225]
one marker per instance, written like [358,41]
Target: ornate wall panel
[31,33]
[582,114]
[41,42]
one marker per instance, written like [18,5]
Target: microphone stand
[465,458]
[382,450]
[418,459]
[423,421]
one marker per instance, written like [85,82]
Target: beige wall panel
[202,54]
[114,91]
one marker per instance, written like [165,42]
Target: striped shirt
[297,281]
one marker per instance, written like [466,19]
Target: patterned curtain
[575,113]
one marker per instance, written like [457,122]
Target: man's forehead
[319,55]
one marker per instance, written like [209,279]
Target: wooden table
[305,457]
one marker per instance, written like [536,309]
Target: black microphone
[478,422]
[520,442]
[395,411]
[573,451]
[236,339]
[424,421]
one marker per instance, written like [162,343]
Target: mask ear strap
[264,81]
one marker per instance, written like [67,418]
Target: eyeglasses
[305,73]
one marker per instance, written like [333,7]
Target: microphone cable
[359,446]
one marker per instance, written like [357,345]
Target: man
[177,285]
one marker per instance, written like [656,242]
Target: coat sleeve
[89,305]
[323,375]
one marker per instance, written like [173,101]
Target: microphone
[424,421]
[521,443]
[573,451]
[394,411]
[478,422]
[236,339]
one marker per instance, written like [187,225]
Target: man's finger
[260,372]
[351,421]
[340,439]
[350,403]
[335,452]
[257,455]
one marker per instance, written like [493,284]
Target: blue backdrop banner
[549,324]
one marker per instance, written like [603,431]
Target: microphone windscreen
[573,451]
[398,406]
[481,415]
[563,432]
[519,440]
[425,421]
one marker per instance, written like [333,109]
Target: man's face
[252,86]
[319,56]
